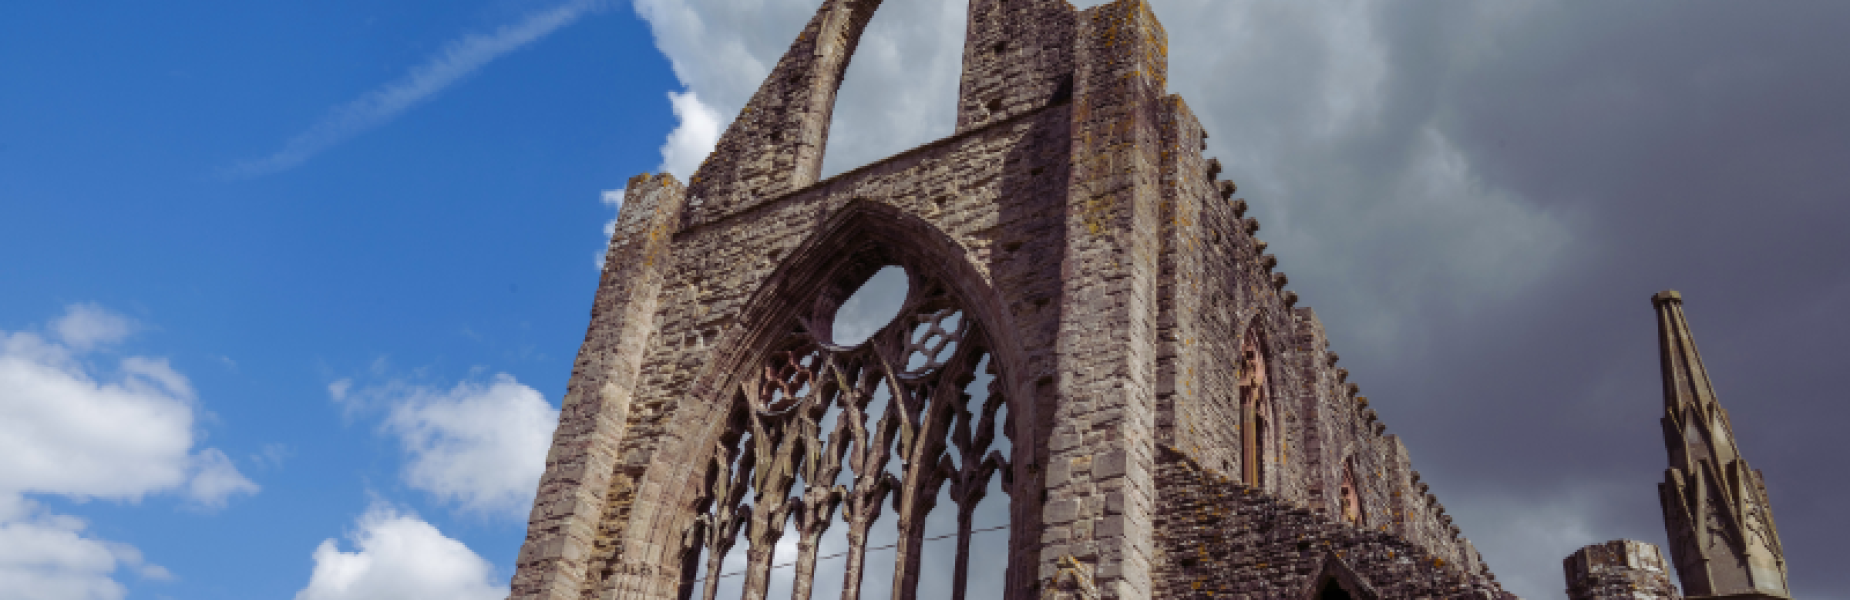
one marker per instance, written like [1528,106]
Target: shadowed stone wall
[1218,538]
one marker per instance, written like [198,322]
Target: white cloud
[67,431]
[87,326]
[338,389]
[400,557]
[694,138]
[48,557]
[272,456]
[481,446]
[215,480]
[456,60]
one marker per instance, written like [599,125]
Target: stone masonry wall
[584,479]
[1220,539]
[1018,57]
[1619,570]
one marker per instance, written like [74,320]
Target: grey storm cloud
[1479,199]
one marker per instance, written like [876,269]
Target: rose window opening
[868,455]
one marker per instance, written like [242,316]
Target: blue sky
[288,291]
[447,243]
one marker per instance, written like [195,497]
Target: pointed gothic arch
[777,143]
[1351,495]
[803,435]
[1258,412]
[1335,580]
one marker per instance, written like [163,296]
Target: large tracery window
[846,469]
[1256,423]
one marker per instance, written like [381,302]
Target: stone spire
[1722,536]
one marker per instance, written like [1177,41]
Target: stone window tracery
[828,437]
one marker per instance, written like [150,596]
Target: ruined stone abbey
[1097,385]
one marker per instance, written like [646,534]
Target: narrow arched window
[1351,495]
[1255,409]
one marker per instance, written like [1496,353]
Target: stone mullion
[960,574]
[970,487]
[760,549]
[815,512]
[822,463]
[806,564]
[857,554]
[863,509]
[912,532]
[774,473]
[728,493]
[718,546]
[872,484]
[926,468]
[905,576]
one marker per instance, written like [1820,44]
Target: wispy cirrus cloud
[458,59]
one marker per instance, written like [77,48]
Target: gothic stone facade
[1092,338]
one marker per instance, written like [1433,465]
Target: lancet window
[1351,495]
[845,466]
[1255,410]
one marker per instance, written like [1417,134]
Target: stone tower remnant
[1716,512]
[1619,570]
[1093,348]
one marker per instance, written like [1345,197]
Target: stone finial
[1290,298]
[1227,189]
[1280,280]
[1269,261]
[1252,226]
[1239,208]
[1214,168]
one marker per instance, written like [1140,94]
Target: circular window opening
[871,307]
